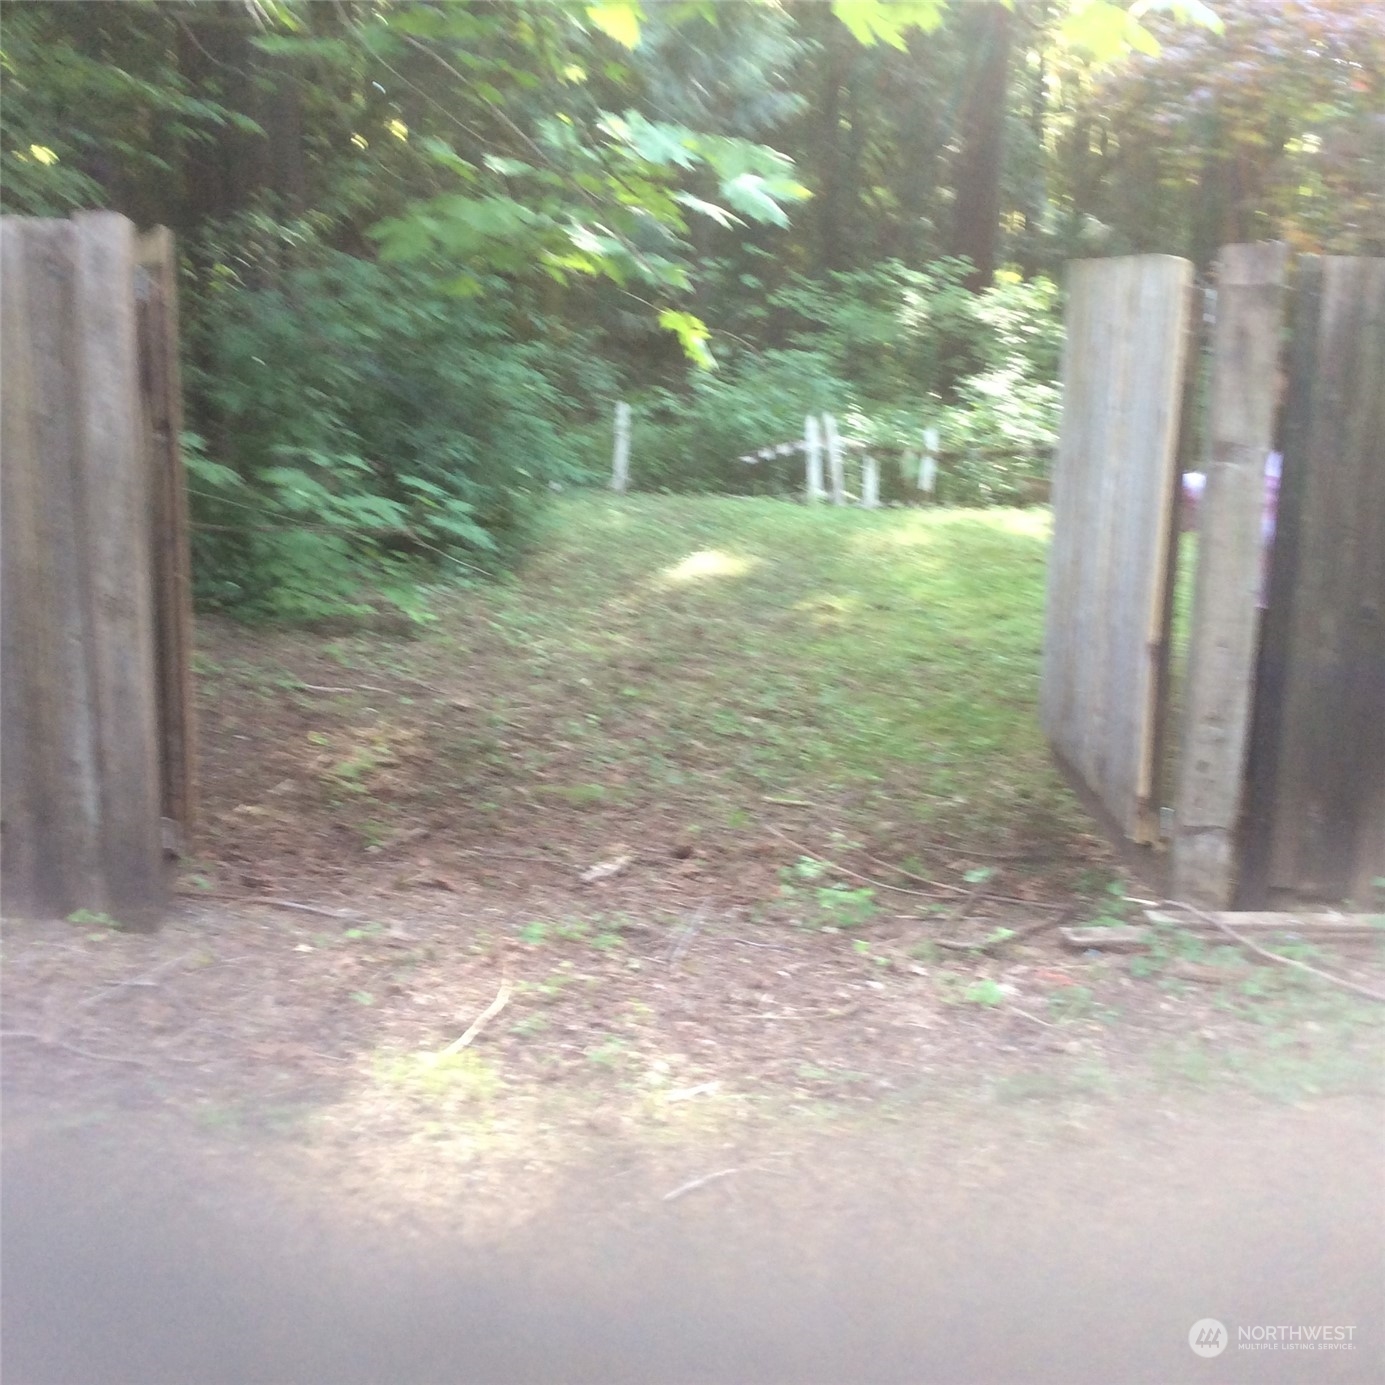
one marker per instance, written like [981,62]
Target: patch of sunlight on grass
[709,562]
[922,528]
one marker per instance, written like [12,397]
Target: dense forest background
[427,245]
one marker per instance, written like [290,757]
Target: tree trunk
[976,214]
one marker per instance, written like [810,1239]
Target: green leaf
[692,335]
[1106,31]
[872,21]
[750,193]
[708,209]
[618,21]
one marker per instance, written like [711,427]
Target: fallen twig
[693,1184]
[148,979]
[856,875]
[314,687]
[1242,941]
[1015,1010]
[502,999]
[1003,938]
[899,889]
[683,941]
[964,908]
[49,1042]
[253,899]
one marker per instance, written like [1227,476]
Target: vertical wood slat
[50,760]
[80,735]
[116,522]
[1126,341]
[157,300]
[1225,619]
[22,810]
[1327,809]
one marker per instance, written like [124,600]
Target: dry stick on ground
[957,889]
[856,875]
[898,889]
[693,1184]
[1009,936]
[48,1042]
[347,915]
[1242,941]
[502,999]
[314,687]
[684,940]
[148,979]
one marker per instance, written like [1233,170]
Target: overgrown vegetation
[888,351]
[428,245]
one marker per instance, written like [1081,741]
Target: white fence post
[620,464]
[928,463]
[870,483]
[812,451]
[834,459]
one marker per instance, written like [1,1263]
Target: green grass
[719,650]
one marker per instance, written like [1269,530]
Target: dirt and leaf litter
[610,857]
[383,1035]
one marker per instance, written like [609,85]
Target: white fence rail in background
[824,456]
[620,462]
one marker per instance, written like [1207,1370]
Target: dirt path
[400,1091]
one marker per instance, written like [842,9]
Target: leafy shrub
[360,426]
[889,351]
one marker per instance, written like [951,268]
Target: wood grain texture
[1327,803]
[161,385]
[1113,484]
[1225,619]
[80,747]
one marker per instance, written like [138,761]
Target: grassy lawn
[888,660]
[672,670]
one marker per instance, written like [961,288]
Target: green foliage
[831,904]
[74,108]
[889,351]
[358,425]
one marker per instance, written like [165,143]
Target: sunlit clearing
[924,528]
[710,562]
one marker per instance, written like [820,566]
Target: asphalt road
[1073,1266]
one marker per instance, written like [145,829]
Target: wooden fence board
[46,612]
[79,747]
[20,810]
[114,517]
[1113,484]
[157,299]
[1327,808]
[1225,620]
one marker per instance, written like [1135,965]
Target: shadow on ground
[874,1255]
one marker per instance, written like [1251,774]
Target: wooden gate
[1315,808]
[97,730]
[1281,775]
[1113,488]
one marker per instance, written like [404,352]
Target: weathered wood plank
[1225,619]
[49,615]
[19,809]
[1113,481]
[162,385]
[114,514]
[1327,836]
[81,786]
